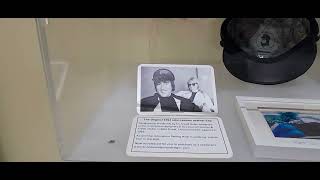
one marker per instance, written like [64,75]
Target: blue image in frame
[293,124]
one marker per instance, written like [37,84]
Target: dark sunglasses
[193,84]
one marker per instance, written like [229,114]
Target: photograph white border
[176,113]
[260,134]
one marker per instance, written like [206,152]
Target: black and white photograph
[176,88]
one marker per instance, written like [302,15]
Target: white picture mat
[227,154]
[213,89]
[259,129]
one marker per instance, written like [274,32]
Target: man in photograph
[164,100]
[197,96]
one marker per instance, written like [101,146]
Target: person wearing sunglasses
[164,100]
[197,96]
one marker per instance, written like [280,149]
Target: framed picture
[168,89]
[281,128]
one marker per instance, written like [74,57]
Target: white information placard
[180,136]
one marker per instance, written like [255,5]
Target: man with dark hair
[164,100]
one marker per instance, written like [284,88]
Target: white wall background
[27,130]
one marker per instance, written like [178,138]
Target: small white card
[191,89]
[183,136]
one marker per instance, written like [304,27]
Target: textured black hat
[269,50]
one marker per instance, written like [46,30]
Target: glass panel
[93,66]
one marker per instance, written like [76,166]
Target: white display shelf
[97,102]
[113,118]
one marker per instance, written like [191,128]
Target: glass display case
[91,69]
